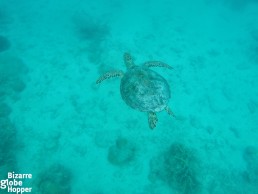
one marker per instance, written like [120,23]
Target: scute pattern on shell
[144,89]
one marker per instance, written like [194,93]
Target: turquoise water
[75,136]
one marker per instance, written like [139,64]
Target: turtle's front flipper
[109,75]
[169,111]
[157,64]
[152,118]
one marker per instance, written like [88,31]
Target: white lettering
[18,190]
[10,189]
[18,176]
[9,175]
[3,183]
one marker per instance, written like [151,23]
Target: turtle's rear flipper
[157,64]
[152,118]
[169,111]
[109,75]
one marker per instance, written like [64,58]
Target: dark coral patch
[179,168]
[122,153]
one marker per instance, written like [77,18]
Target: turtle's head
[128,60]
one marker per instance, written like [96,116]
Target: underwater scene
[129,97]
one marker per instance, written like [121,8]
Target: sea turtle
[142,88]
